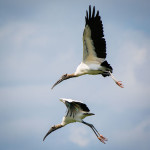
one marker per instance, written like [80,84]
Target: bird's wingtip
[61,99]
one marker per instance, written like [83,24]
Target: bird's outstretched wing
[74,105]
[94,44]
[80,106]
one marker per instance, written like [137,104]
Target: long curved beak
[53,128]
[64,77]
[50,130]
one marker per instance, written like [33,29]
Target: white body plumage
[90,68]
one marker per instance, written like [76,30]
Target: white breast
[70,119]
[67,120]
[90,68]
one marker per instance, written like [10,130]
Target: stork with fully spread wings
[76,112]
[94,50]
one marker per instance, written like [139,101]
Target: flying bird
[76,112]
[94,50]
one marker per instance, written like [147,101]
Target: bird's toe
[120,84]
[105,139]
[102,139]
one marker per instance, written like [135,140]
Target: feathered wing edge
[94,44]
[75,103]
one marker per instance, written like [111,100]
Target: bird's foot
[102,138]
[119,84]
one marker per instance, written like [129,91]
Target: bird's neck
[71,75]
[58,126]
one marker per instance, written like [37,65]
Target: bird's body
[89,68]
[76,112]
[94,50]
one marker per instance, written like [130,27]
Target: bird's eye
[65,75]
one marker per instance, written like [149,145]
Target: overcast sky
[40,40]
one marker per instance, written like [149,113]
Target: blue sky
[42,40]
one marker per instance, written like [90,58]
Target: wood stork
[94,50]
[76,112]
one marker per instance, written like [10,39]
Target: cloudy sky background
[42,40]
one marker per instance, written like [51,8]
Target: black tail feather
[107,65]
[108,68]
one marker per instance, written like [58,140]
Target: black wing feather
[81,106]
[97,35]
[76,104]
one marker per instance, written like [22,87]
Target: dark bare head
[64,77]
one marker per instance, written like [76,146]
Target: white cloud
[134,59]
[137,134]
[79,136]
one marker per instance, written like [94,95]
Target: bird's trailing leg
[99,136]
[117,82]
